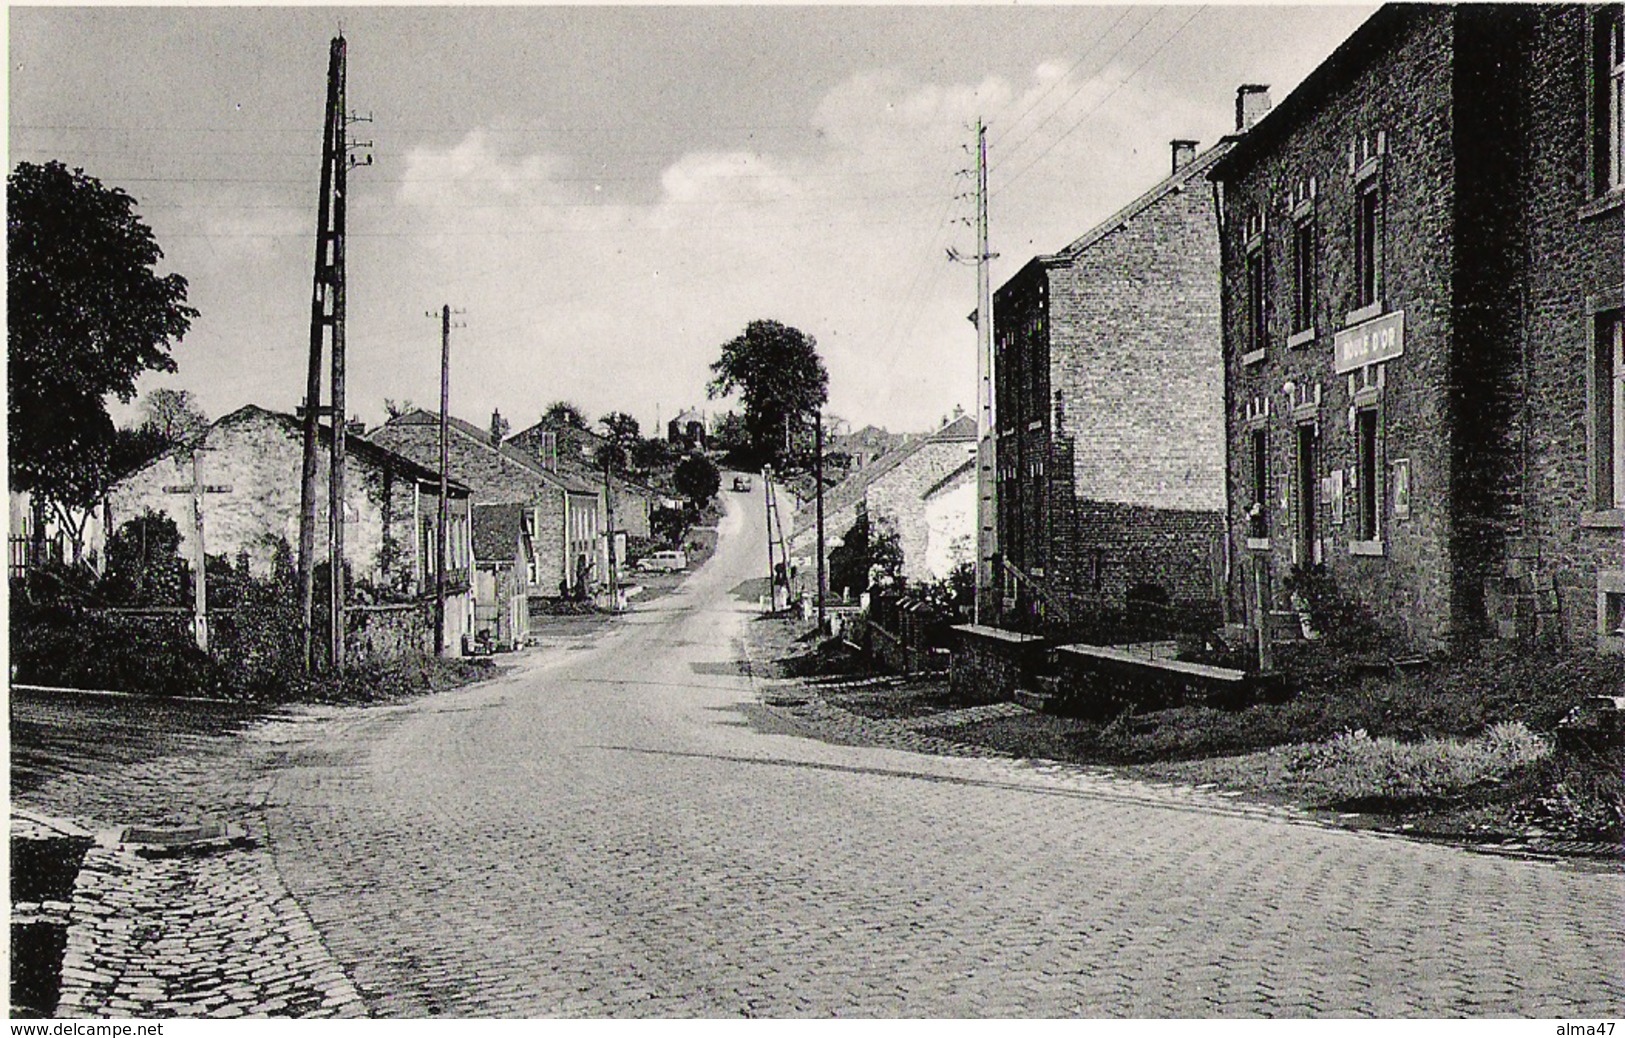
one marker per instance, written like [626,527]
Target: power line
[1007,152]
[1109,95]
[1033,106]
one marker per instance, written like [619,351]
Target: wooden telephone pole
[327,319]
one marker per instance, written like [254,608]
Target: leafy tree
[779,377]
[561,414]
[173,414]
[86,316]
[697,479]
[144,564]
[621,427]
[395,408]
[864,551]
[652,453]
[728,433]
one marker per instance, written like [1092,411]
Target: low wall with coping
[990,664]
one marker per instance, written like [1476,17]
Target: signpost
[200,594]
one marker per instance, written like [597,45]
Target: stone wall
[1393,114]
[257,455]
[990,664]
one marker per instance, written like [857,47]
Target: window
[1255,299]
[1608,103]
[1307,495]
[1368,515]
[1303,275]
[1367,245]
[1608,401]
[1258,515]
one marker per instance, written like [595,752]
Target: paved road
[605,833]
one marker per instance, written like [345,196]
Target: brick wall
[1104,351]
[1576,268]
[1498,259]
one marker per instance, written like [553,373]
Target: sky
[607,194]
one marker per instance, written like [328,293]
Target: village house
[924,489]
[569,554]
[687,430]
[1110,407]
[250,463]
[553,442]
[1423,256]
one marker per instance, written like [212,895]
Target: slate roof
[470,431]
[497,529]
[851,490]
[354,446]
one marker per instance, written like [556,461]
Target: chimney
[1252,104]
[1184,152]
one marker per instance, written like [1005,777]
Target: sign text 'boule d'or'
[1381,338]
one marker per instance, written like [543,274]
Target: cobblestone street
[620,828]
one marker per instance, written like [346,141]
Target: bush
[1360,771]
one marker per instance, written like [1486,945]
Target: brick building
[1110,414]
[390,510]
[919,489]
[1423,256]
[570,552]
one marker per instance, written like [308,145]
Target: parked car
[742,484]
[664,562]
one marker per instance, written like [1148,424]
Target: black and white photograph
[1040,512]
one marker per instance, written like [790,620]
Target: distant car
[741,484]
[663,562]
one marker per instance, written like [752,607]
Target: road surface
[604,833]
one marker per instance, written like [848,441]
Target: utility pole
[327,312]
[445,451]
[818,480]
[336,456]
[328,274]
[987,500]
[609,519]
[767,494]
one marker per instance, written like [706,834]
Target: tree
[779,377]
[621,427]
[173,415]
[86,316]
[865,551]
[144,564]
[697,479]
[561,414]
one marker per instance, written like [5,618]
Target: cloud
[572,290]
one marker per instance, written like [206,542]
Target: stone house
[1110,407]
[569,552]
[1423,257]
[918,489]
[391,508]
[554,442]
[687,430]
